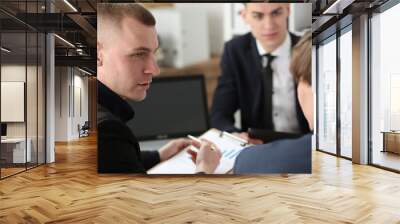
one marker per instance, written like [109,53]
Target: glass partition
[346,93]
[385,89]
[13,96]
[22,88]
[327,96]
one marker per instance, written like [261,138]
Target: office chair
[84,130]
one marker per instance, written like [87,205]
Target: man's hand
[207,158]
[245,136]
[173,147]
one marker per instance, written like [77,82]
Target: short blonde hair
[117,11]
[300,65]
[110,16]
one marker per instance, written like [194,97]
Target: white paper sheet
[182,163]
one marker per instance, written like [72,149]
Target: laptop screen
[173,107]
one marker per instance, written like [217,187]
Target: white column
[50,99]
[360,90]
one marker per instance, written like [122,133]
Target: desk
[13,150]
[391,141]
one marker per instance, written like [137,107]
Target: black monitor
[174,107]
[3,129]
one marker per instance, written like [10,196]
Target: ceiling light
[79,51]
[84,71]
[5,50]
[331,7]
[70,5]
[64,40]
[337,7]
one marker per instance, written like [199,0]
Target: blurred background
[48,58]
[192,35]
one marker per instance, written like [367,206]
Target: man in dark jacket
[255,76]
[126,62]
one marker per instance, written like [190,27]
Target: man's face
[129,61]
[268,22]
[306,100]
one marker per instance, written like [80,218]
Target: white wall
[183,41]
[224,20]
[80,83]
[233,22]
[214,13]
[69,82]
[12,100]
[14,73]
[300,19]
[31,78]
[17,73]
[61,103]
[215,17]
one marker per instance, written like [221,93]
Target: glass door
[327,95]
[385,89]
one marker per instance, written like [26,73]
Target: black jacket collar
[114,103]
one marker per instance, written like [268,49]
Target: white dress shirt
[284,112]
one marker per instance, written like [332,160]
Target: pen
[244,142]
[198,140]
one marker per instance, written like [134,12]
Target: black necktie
[268,90]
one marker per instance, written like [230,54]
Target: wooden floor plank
[71,191]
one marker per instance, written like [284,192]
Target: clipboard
[182,163]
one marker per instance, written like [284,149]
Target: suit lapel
[256,80]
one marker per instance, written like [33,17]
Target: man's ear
[99,54]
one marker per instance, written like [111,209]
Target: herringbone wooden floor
[70,191]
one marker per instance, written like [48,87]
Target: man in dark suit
[255,76]
[290,155]
[126,63]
